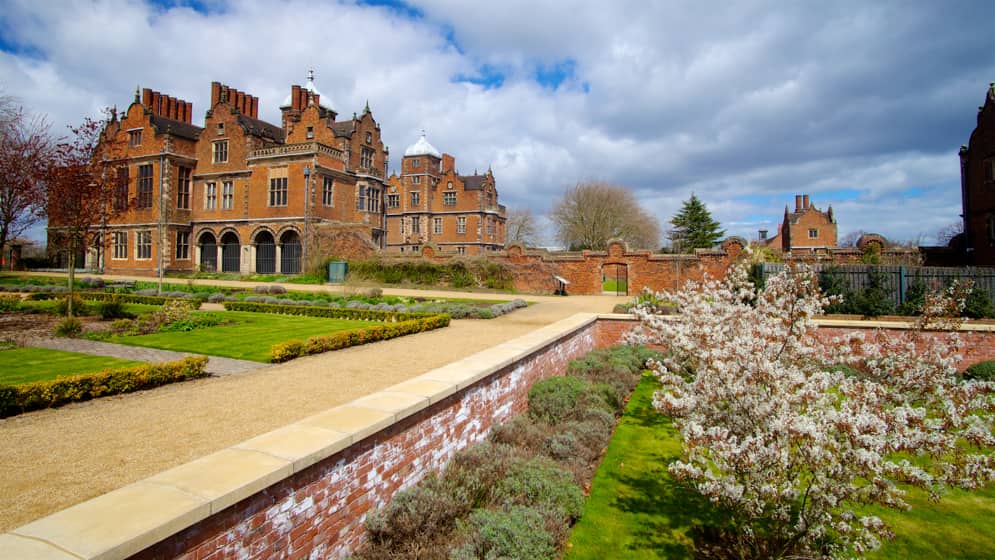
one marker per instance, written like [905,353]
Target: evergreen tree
[694,227]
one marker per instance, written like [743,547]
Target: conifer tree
[694,228]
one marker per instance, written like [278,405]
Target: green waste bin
[337,272]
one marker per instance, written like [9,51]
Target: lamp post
[307,200]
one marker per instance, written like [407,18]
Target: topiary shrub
[515,532]
[981,371]
[551,400]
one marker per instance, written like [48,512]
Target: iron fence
[897,280]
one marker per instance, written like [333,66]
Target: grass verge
[26,365]
[249,337]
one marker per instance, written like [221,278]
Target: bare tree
[521,227]
[25,150]
[850,239]
[948,232]
[79,188]
[590,214]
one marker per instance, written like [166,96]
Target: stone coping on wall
[125,521]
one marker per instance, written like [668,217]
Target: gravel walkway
[55,458]
[216,365]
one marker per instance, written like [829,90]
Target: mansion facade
[239,194]
[430,203]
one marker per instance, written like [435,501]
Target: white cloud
[862,105]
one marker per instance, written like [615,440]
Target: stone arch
[207,246]
[871,242]
[616,248]
[264,243]
[231,251]
[290,251]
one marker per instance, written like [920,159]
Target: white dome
[422,148]
[309,86]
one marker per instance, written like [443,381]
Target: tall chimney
[147,97]
[171,109]
[798,203]
[255,107]
[215,93]
[157,102]
[805,202]
[295,98]
[240,101]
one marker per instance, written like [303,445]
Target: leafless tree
[948,232]
[850,239]
[522,227]
[25,150]
[590,214]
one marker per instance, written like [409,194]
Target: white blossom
[793,446]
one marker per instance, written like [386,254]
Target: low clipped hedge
[285,351]
[15,399]
[326,312]
[134,298]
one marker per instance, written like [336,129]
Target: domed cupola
[422,148]
[309,86]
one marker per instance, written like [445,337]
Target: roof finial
[136,93]
[310,74]
[367,108]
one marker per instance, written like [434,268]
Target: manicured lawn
[614,286]
[24,365]
[248,338]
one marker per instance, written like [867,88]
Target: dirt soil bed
[59,457]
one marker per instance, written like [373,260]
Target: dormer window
[221,129]
[135,138]
[221,151]
[813,233]
[310,132]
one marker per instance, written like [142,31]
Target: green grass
[25,365]
[248,338]
[636,510]
[612,285]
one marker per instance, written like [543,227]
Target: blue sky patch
[552,76]
[490,77]
[396,6]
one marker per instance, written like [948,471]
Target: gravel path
[52,459]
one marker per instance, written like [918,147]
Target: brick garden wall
[319,512]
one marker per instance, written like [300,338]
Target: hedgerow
[16,399]
[289,350]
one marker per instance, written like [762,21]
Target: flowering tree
[79,184]
[790,435]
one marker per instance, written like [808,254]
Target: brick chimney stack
[798,203]
[448,163]
[244,103]
[167,106]
[805,202]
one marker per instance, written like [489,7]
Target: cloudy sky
[862,105]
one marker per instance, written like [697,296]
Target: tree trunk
[72,277]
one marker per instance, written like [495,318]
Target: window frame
[144,186]
[415,198]
[119,246]
[461,224]
[210,195]
[219,152]
[813,233]
[278,190]
[327,191]
[227,195]
[393,201]
[183,177]
[437,225]
[449,198]
[134,138]
[182,245]
[143,245]
[415,224]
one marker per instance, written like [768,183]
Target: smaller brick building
[807,229]
[431,203]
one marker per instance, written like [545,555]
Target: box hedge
[285,351]
[15,399]
[326,312]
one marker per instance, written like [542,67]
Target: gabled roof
[473,182]
[343,128]
[263,129]
[175,127]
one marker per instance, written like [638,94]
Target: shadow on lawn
[670,512]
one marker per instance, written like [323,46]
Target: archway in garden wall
[231,258]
